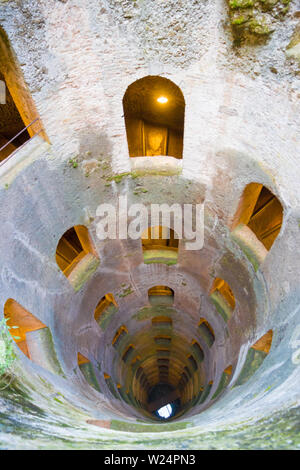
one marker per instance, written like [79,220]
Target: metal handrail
[17,135]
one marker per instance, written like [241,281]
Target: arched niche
[31,336]
[105,309]
[206,332]
[256,355]
[257,222]
[20,322]
[160,245]
[76,255]
[161,295]
[154,117]
[17,108]
[223,298]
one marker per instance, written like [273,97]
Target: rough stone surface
[241,126]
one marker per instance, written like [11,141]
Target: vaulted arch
[154,117]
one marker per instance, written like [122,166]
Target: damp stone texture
[97,335]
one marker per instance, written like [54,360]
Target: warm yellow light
[162,99]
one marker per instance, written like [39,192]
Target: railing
[15,137]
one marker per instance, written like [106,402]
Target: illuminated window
[76,255]
[17,109]
[32,336]
[154,117]
[20,322]
[223,298]
[119,336]
[255,357]
[198,350]
[88,371]
[224,381]
[159,295]
[206,392]
[106,308]
[257,222]
[163,340]
[110,385]
[206,332]
[264,343]
[193,362]
[162,322]
[163,352]
[160,245]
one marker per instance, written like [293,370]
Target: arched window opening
[128,354]
[161,295]
[255,357]
[163,361]
[12,125]
[119,336]
[163,373]
[206,392]
[206,332]
[223,298]
[160,245]
[257,222]
[183,380]
[110,385]
[198,350]
[162,322]
[136,361]
[139,372]
[88,371]
[124,394]
[163,340]
[19,119]
[20,322]
[76,255]
[32,336]
[193,363]
[163,352]
[224,381]
[154,117]
[187,371]
[106,308]
[81,359]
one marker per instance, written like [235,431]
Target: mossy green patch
[147,428]
[127,291]
[119,177]
[240,4]
[73,162]
[254,20]
[106,316]
[7,355]
[225,378]
[221,305]
[206,334]
[152,311]
[88,372]
[253,361]
[168,257]
[83,271]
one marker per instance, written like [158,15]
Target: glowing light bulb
[162,99]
